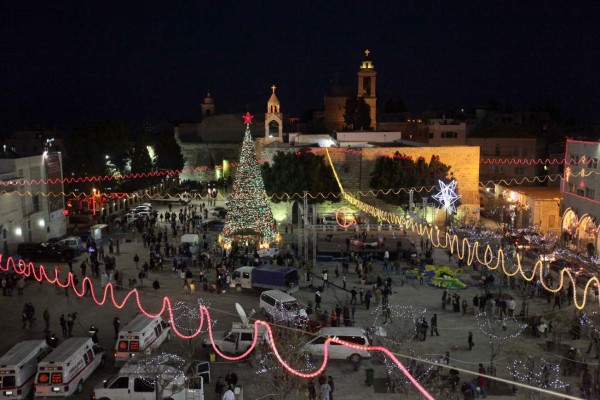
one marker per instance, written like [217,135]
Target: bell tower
[208,106]
[274,119]
[367,77]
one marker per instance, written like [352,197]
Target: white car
[129,218]
[144,214]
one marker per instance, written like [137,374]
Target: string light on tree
[249,212]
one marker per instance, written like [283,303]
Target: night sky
[64,62]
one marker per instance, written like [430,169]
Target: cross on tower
[367,52]
[273,88]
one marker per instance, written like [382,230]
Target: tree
[249,210]
[402,328]
[499,331]
[141,162]
[357,114]
[296,172]
[275,380]
[401,171]
[186,320]
[165,372]
[87,146]
[168,154]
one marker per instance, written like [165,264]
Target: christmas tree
[249,212]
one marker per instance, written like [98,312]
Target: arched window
[273,129]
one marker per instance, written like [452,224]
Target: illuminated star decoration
[447,195]
[248,118]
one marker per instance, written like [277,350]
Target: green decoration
[249,212]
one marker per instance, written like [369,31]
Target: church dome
[208,99]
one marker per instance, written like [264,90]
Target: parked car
[218,212]
[46,251]
[215,225]
[128,218]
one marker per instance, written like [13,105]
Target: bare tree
[498,330]
[393,326]
[164,372]
[276,380]
[186,319]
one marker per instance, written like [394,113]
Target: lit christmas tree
[249,213]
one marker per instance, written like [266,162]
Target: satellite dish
[242,314]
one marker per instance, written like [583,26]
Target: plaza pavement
[453,327]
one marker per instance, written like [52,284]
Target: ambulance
[142,334]
[63,371]
[18,367]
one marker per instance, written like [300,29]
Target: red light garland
[40,275]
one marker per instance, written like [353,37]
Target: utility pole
[314,235]
[305,227]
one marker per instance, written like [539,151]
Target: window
[449,135]
[430,135]
[56,377]
[571,188]
[120,383]
[580,192]
[232,338]
[524,151]
[353,339]
[497,150]
[143,385]
[8,381]
[246,337]
[319,340]
[519,170]
[589,193]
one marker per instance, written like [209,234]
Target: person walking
[136,260]
[141,277]
[481,381]
[116,325]
[353,293]
[312,390]
[46,316]
[317,300]
[325,391]
[470,341]
[331,385]
[156,285]
[70,323]
[434,325]
[444,297]
[63,326]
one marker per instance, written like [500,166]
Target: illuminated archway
[586,232]
[570,224]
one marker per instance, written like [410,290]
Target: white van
[316,346]
[18,367]
[140,335]
[63,371]
[132,382]
[74,242]
[280,306]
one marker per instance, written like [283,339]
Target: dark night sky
[68,61]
